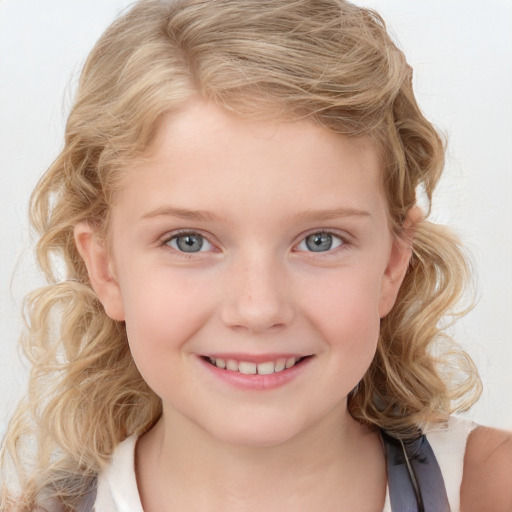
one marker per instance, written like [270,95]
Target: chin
[271,432]
[252,439]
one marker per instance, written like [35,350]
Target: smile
[252,368]
[256,372]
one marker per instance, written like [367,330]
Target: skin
[254,289]
[487,480]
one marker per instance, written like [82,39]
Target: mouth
[272,366]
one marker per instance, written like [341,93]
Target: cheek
[163,313]
[345,311]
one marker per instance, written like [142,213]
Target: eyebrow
[334,213]
[303,216]
[181,213]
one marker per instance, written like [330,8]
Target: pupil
[319,242]
[189,243]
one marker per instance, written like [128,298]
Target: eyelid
[345,239]
[164,241]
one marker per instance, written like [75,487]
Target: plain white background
[461,52]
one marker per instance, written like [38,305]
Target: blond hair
[327,61]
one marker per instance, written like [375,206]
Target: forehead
[203,155]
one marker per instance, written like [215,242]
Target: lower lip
[257,382]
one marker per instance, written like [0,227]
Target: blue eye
[320,242]
[189,242]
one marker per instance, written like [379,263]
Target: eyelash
[343,245]
[177,234]
[343,242]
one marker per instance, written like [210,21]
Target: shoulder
[487,477]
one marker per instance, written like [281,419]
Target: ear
[93,250]
[398,263]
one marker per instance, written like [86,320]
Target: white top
[117,485]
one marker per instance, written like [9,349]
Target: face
[251,263]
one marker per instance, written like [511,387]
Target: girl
[250,316]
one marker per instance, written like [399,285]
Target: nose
[257,295]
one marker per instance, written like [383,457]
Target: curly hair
[327,61]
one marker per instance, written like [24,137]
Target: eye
[321,241]
[189,243]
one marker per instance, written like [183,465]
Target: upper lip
[255,358]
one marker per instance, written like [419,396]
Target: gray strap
[86,504]
[415,480]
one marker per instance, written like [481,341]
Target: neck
[311,471]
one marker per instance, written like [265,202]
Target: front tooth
[280,365]
[220,363]
[247,368]
[266,368]
[232,365]
[290,362]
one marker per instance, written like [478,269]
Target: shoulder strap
[414,478]
[86,503]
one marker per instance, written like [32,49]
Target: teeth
[290,362]
[266,368]
[280,365]
[232,365]
[248,368]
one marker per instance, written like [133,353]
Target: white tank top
[117,485]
